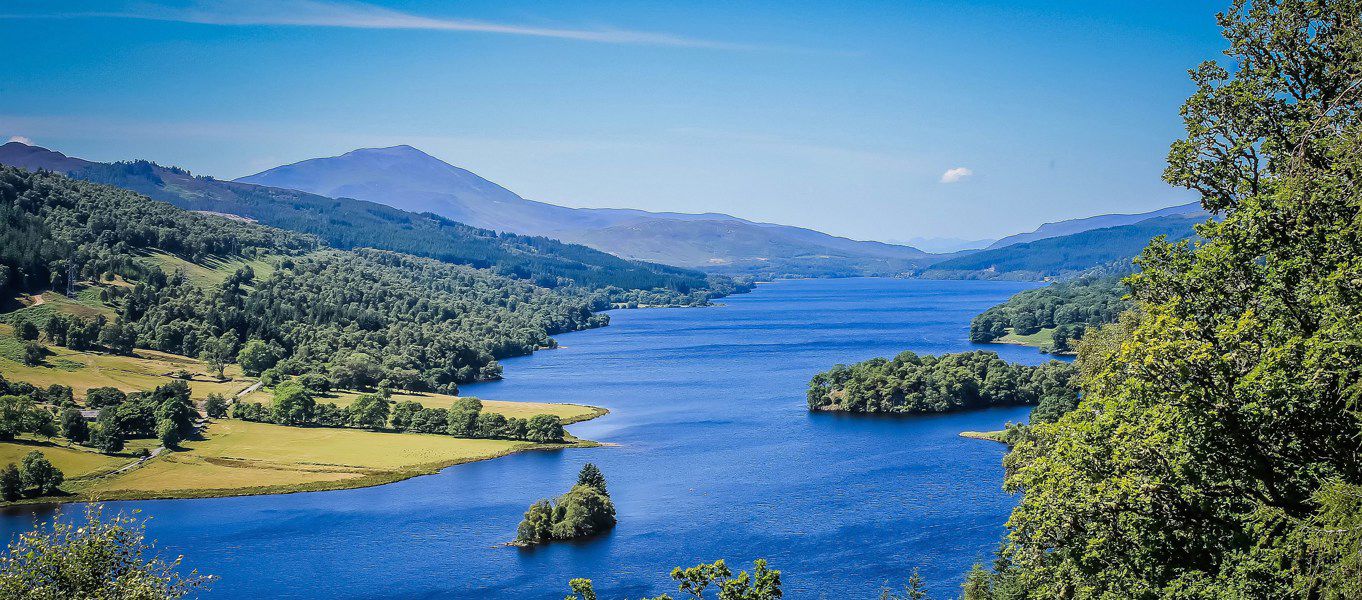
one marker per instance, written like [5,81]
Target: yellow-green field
[1040,339]
[239,458]
[1043,339]
[74,462]
[144,370]
[231,457]
[999,436]
[569,413]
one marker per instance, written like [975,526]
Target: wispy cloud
[21,139]
[956,175]
[356,15]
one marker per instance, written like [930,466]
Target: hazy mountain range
[943,245]
[406,178]
[1073,226]
[403,199]
[1107,248]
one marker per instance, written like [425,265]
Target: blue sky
[842,116]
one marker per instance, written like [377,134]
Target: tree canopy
[910,383]
[1215,452]
[584,511]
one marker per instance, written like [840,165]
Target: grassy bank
[234,458]
[999,436]
[1043,340]
[238,458]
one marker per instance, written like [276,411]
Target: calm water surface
[716,457]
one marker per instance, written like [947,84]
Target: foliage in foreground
[762,584]
[1215,453]
[99,558]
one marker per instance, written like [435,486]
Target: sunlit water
[714,456]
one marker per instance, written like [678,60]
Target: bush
[369,411]
[93,558]
[544,429]
[168,434]
[293,404]
[37,474]
[28,331]
[34,353]
[106,436]
[101,397]
[215,406]
[11,483]
[74,427]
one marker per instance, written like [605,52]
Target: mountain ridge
[730,243]
[348,223]
[1082,224]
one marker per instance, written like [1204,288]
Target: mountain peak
[28,156]
[400,176]
[401,151]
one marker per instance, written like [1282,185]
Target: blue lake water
[715,456]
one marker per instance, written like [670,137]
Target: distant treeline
[1069,307]
[295,404]
[910,383]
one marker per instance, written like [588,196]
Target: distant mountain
[347,223]
[24,156]
[1073,226]
[944,245]
[1066,255]
[406,178]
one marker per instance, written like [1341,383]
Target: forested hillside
[1109,248]
[1072,226]
[346,223]
[357,317]
[1064,310]
[1216,452]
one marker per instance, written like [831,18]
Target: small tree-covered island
[913,384]
[584,511]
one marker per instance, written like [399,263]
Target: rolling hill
[1072,226]
[406,178]
[1067,255]
[347,223]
